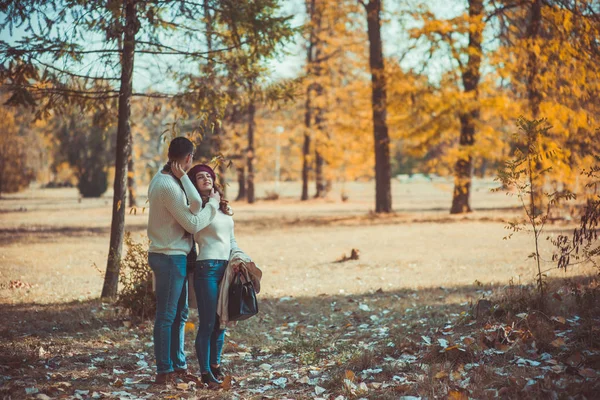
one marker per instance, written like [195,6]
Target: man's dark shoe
[185,376]
[164,379]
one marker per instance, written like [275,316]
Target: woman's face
[204,182]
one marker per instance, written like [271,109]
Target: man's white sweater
[170,216]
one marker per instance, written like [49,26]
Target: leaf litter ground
[405,320]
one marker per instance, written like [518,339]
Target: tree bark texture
[533,30]
[123,150]
[534,97]
[320,162]
[241,176]
[383,190]
[313,71]
[131,185]
[463,169]
[306,148]
[216,132]
[319,179]
[250,152]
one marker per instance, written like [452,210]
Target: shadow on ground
[90,347]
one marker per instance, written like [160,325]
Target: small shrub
[524,173]
[93,182]
[136,294]
[583,245]
[307,350]
[364,359]
[271,195]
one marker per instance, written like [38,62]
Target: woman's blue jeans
[171,311]
[210,338]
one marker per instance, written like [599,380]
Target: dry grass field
[323,323]
[49,239]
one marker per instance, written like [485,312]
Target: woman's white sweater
[170,217]
[216,241]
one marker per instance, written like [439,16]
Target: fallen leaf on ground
[441,375]
[457,395]
[226,385]
[350,375]
[588,373]
[575,359]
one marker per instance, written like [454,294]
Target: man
[171,220]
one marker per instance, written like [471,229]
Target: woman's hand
[214,195]
[177,170]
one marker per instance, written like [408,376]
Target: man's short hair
[180,147]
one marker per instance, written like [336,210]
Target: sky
[290,62]
[293,63]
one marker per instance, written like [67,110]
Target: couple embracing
[183,208]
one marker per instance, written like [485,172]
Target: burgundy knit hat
[201,168]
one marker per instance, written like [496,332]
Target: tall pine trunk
[111,278]
[534,97]
[315,20]
[306,148]
[320,162]
[217,132]
[317,109]
[250,150]
[533,29]
[241,177]
[319,178]
[131,185]
[463,169]
[383,190]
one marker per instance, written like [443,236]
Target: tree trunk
[308,114]
[306,148]
[216,149]
[241,173]
[534,97]
[533,29]
[321,188]
[111,279]
[131,186]
[222,178]
[383,190]
[317,109]
[217,132]
[463,170]
[319,179]
[250,151]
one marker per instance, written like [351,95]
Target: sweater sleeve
[233,243]
[192,194]
[182,213]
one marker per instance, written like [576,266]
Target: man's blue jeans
[210,338]
[171,311]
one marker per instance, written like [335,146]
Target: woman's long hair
[223,204]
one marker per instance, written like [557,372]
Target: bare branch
[62,71]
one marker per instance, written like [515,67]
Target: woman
[215,244]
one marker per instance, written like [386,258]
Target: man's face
[189,160]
